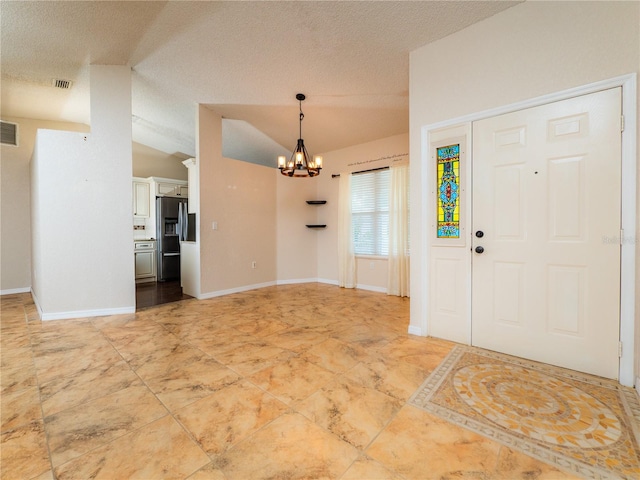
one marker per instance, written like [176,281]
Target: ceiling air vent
[59,83]
[9,134]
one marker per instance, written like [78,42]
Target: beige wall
[296,244]
[241,198]
[149,162]
[530,50]
[262,216]
[209,155]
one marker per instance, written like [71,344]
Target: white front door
[546,228]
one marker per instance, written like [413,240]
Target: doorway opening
[157,293]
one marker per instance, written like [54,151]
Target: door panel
[566,199]
[508,293]
[546,193]
[510,218]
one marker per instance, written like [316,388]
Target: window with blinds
[370,212]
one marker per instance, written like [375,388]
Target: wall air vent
[9,133]
[59,83]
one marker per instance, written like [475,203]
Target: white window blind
[370,212]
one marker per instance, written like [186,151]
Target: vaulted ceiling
[244,60]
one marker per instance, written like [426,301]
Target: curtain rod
[334,175]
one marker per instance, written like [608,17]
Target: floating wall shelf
[316,202]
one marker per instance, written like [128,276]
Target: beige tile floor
[288,382]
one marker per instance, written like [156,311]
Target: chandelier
[299,165]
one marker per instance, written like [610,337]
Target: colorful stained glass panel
[448,161]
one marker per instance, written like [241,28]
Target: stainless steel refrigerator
[171,229]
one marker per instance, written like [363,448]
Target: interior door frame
[628,240]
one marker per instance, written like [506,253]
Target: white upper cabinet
[141,199]
[169,188]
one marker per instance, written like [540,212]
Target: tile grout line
[91,322]
[169,412]
[35,370]
[190,435]
[292,408]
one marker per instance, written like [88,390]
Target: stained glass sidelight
[448,160]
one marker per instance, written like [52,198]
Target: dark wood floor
[150,294]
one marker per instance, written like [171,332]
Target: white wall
[15,201]
[81,208]
[15,194]
[371,271]
[529,50]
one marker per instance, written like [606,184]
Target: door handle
[479,249]
[479,234]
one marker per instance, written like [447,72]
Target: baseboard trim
[87,313]
[84,313]
[372,288]
[245,288]
[413,330]
[13,291]
[220,293]
[101,312]
[296,281]
[332,282]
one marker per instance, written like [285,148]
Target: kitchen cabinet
[166,189]
[141,199]
[145,261]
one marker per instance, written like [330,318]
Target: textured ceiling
[244,60]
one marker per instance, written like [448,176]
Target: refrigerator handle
[179,232]
[185,224]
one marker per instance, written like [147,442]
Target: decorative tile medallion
[583,424]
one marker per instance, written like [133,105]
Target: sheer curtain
[346,255]
[398,266]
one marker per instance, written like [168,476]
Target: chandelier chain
[301,118]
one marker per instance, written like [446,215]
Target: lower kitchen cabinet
[145,259]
